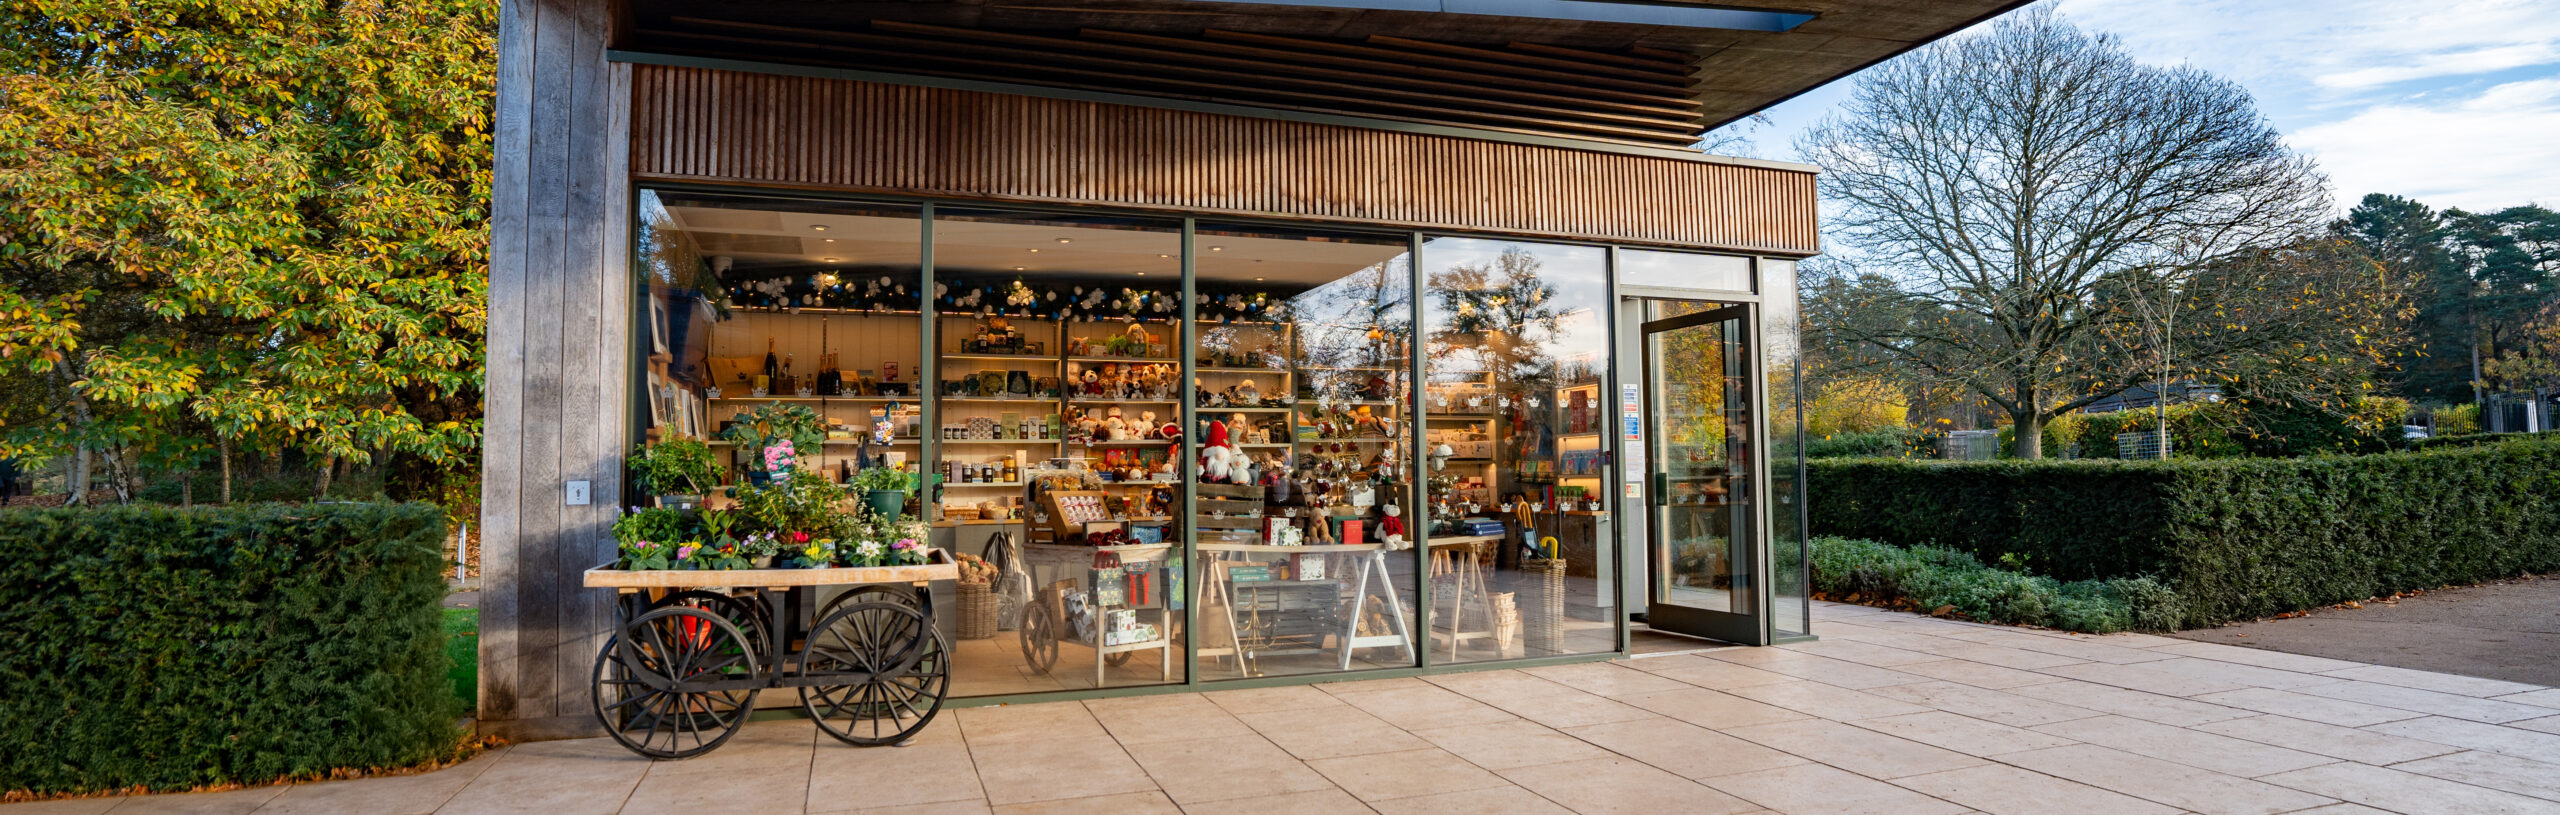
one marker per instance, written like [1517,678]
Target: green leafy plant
[2234,538]
[675,467]
[170,648]
[882,478]
[798,501]
[648,537]
[761,427]
[1940,580]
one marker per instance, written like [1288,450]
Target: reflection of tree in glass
[1501,317]
[1357,320]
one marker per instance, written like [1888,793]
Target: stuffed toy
[1391,529]
[1219,459]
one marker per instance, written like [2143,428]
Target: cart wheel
[649,694]
[873,593]
[898,669]
[1040,633]
[746,613]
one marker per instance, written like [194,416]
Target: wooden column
[559,361]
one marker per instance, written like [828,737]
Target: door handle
[1661,488]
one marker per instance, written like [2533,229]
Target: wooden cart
[691,649]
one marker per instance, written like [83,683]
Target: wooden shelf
[1166,360]
[1127,443]
[1010,400]
[1004,441]
[817,399]
[1048,358]
[978,484]
[1207,369]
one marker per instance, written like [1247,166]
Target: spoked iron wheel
[746,613]
[897,668]
[656,682]
[1040,632]
[874,593]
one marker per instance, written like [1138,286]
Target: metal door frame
[1756,628]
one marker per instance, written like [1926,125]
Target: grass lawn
[462,632]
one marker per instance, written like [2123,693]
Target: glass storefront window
[1683,270]
[1304,367]
[1791,598]
[800,311]
[1268,486]
[1515,425]
[1057,420]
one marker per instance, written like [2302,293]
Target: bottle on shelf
[772,365]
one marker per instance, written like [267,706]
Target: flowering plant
[779,458]
[809,553]
[867,553]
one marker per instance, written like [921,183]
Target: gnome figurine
[1220,461]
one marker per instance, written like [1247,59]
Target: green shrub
[171,648]
[1891,442]
[2235,538]
[1932,577]
[2462,440]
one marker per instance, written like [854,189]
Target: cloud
[2458,63]
[2490,150]
[2335,46]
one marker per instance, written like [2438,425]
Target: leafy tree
[2409,238]
[2514,263]
[251,225]
[2042,203]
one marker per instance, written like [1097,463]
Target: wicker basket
[977,611]
[1542,603]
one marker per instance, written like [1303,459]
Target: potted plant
[773,434]
[653,538]
[884,490]
[678,471]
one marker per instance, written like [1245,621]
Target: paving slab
[1906,715]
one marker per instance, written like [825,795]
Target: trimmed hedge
[168,648]
[2236,538]
[1931,576]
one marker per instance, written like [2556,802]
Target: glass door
[1698,437]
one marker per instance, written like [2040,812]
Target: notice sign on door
[1630,401]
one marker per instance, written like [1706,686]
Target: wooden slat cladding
[1592,95]
[695,124]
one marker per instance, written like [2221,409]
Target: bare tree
[2026,186]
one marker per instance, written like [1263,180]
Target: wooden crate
[1059,525]
[1241,522]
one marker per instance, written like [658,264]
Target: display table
[1461,558]
[1368,572]
[1050,564]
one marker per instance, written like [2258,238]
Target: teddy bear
[1391,529]
[1115,429]
[1145,426]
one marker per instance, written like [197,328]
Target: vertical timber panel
[558,345]
[502,386]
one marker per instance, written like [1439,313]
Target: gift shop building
[1255,342]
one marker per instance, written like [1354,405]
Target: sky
[2453,102]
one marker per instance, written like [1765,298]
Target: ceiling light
[1142,274]
[1257,280]
[832,260]
[817,227]
[1017,268]
[1164,256]
[1035,250]
[1217,249]
[1063,240]
[829,240]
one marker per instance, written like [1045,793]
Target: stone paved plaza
[1888,713]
